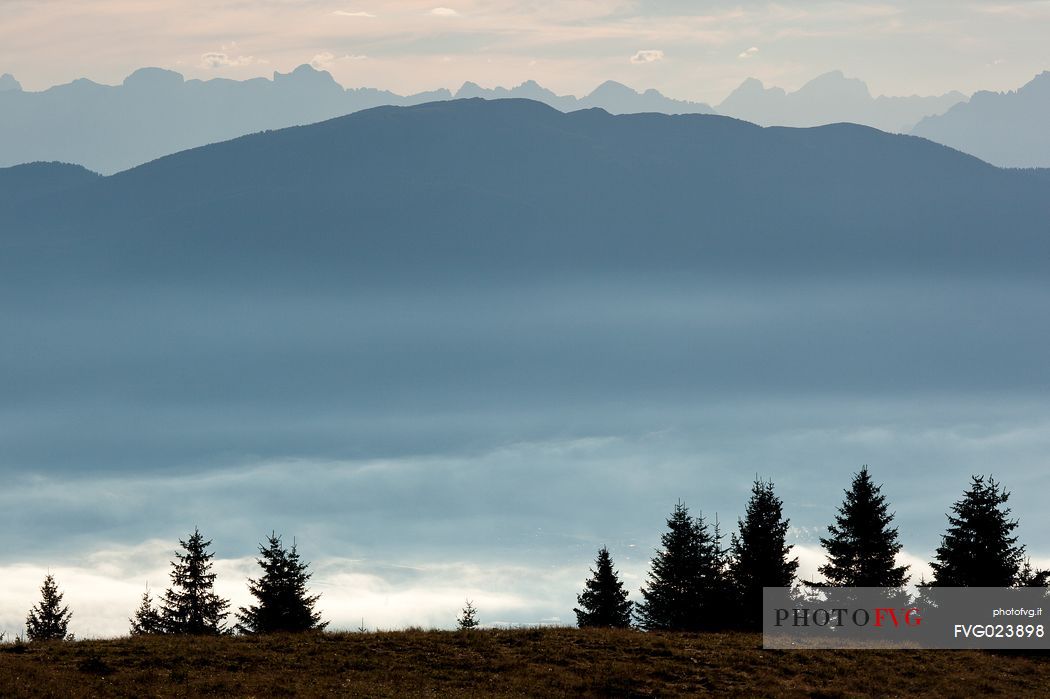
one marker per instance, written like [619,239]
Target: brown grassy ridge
[547,662]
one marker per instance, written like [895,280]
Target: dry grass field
[503,663]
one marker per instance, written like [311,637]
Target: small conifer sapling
[147,619]
[48,620]
[468,618]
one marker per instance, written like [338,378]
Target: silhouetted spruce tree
[147,619]
[759,554]
[49,620]
[468,618]
[190,605]
[687,587]
[604,602]
[284,602]
[862,548]
[979,549]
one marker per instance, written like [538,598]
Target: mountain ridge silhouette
[514,187]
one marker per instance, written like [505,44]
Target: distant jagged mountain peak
[307,76]
[468,90]
[154,78]
[1039,85]
[533,90]
[530,89]
[617,98]
[748,91]
[834,84]
[753,85]
[611,87]
[78,85]
[9,84]
[1043,79]
[439,95]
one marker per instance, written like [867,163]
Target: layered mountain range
[157,112]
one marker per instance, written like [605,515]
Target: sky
[428,447]
[688,50]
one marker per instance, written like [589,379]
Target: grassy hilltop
[526,662]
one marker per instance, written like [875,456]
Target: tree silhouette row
[191,606]
[694,583]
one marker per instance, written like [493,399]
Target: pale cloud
[321,60]
[345,13]
[749,52]
[648,56]
[326,59]
[216,59]
[444,12]
[1037,9]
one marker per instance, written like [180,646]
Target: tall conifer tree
[604,601]
[760,552]
[48,620]
[687,581]
[979,548]
[190,605]
[284,604]
[862,546]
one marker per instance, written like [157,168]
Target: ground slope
[527,662]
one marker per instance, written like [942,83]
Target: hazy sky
[696,50]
